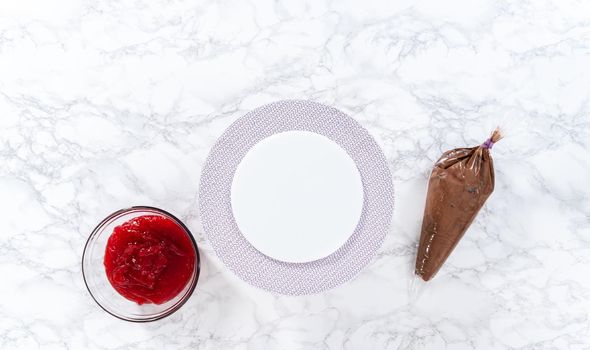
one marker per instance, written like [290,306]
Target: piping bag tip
[415,289]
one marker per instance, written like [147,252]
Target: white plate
[297,196]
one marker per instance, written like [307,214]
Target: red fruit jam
[149,259]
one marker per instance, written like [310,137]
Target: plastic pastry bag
[460,183]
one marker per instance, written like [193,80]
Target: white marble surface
[106,104]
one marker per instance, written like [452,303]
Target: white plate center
[297,196]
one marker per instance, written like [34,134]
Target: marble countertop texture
[108,104]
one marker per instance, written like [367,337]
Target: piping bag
[460,183]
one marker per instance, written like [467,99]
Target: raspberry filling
[149,259]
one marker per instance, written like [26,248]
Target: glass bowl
[100,288]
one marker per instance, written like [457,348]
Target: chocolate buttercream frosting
[460,183]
